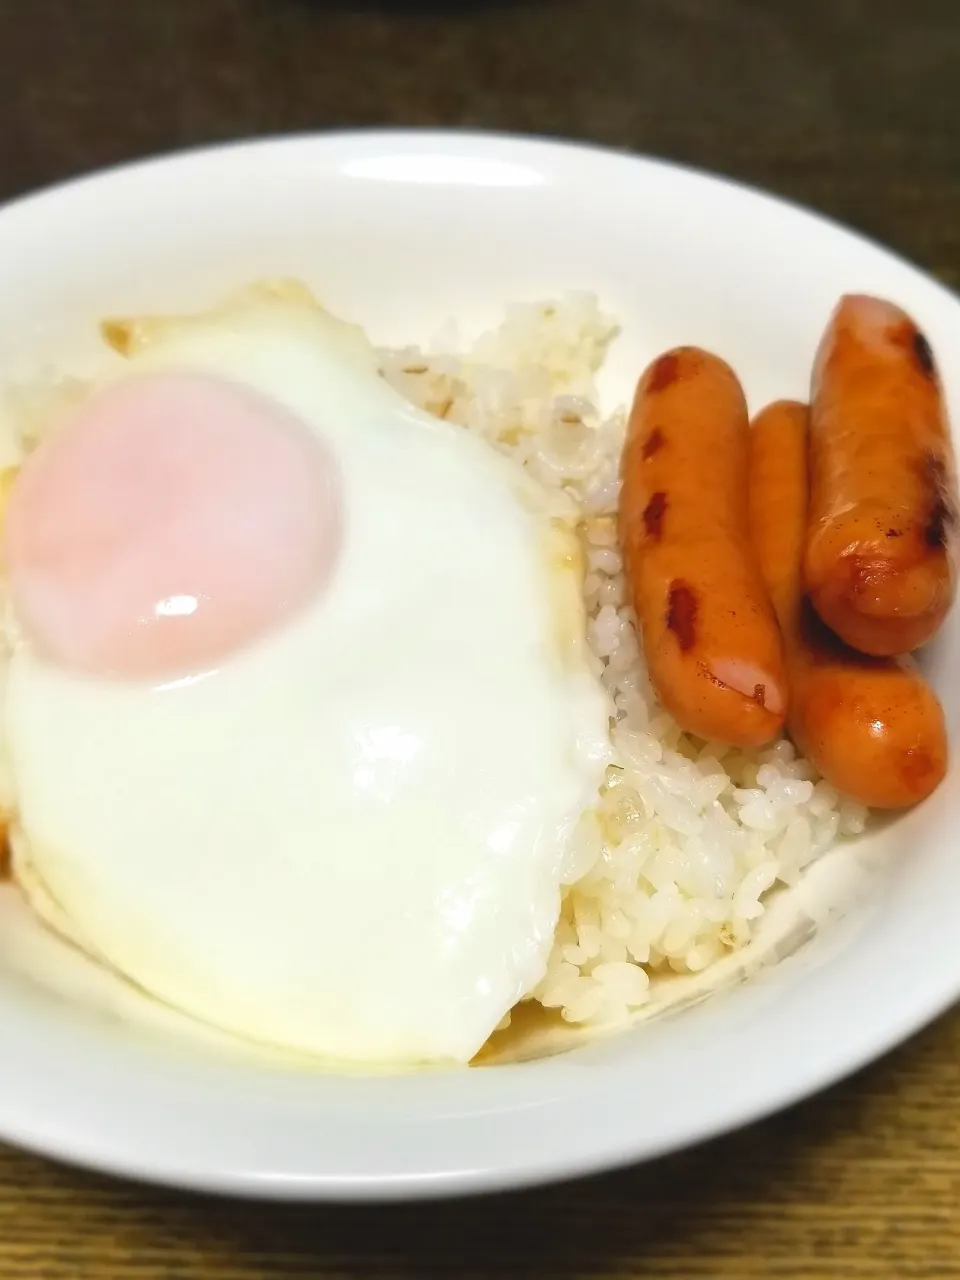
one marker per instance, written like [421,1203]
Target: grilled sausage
[880,553]
[872,726]
[709,634]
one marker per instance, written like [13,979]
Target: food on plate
[880,553]
[871,726]
[335,822]
[710,637]
[853,502]
[326,720]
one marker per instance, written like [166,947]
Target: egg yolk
[171,521]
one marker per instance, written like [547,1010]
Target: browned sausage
[709,634]
[872,726]
[880,555]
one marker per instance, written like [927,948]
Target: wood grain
[849,105]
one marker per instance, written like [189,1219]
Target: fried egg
[299,710]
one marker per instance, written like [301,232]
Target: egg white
[348,839]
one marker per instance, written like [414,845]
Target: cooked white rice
[674,867]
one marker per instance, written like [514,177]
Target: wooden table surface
[852,106]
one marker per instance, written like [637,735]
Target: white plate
[400,231]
